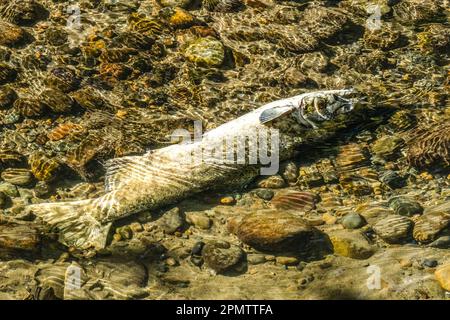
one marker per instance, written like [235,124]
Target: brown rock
[11,35]
[442,275]
[273,230]
[20,237]
[351,244]
[432,222]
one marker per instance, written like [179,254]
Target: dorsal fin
[274,113]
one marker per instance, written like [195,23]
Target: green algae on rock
[207,52]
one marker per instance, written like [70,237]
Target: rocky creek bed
[363,215]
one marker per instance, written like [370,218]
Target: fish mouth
[326,105]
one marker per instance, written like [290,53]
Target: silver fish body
[223,156]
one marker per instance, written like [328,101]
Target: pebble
[136,227]
[290,172]
[287,261]
[15,236]
[12,35]
[207,52]
[442,275]
[171,221]
[272,182]
[4,200]
[199,220]
[351,244]
[272,230]
[352,221]
[16,176]
[329,218]
[256,258]
[265,194]
[441,243]
[227,200]
[430,263]
[222,256]
[393,229]
[432,222]
[171,262]
[197,248]
[405,206]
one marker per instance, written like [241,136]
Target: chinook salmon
[226,156]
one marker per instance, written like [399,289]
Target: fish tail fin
[75,221]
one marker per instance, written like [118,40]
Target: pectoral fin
[274,113]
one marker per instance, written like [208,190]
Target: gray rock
[352,221]
[9,189]
[222,256]
[199,220]
[256,258]
[171,221]
[441,243]
[393,229]
[265,194]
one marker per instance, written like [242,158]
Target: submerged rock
[171,221]
[442,275]
[432,222]
[351,244]
[222,256]
[271,230]
[208,52]
[394,229]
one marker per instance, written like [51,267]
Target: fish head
[320,106]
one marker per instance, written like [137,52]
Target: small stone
[22,237]
[353,221]
[7,97]
[430,263]
[171,221]
[227,200]
[272,182]
[387,146]
[351,244]
[329,218]
[197,248]
[222,256]
[265,194]
[287,261]
[432,222]
[197,261]
[405,263]
[176,3]
[171,262]
[9,189]
[136,227]
[199,220]
[393,229]
[442,275]
[273,230]
[392,179]
[405,206]
[4,200]
[12,35]
[117,237]
[441,243]
[207,52]
[256,258]
[41,189]
[125,232]
[290,172]
[16,176]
